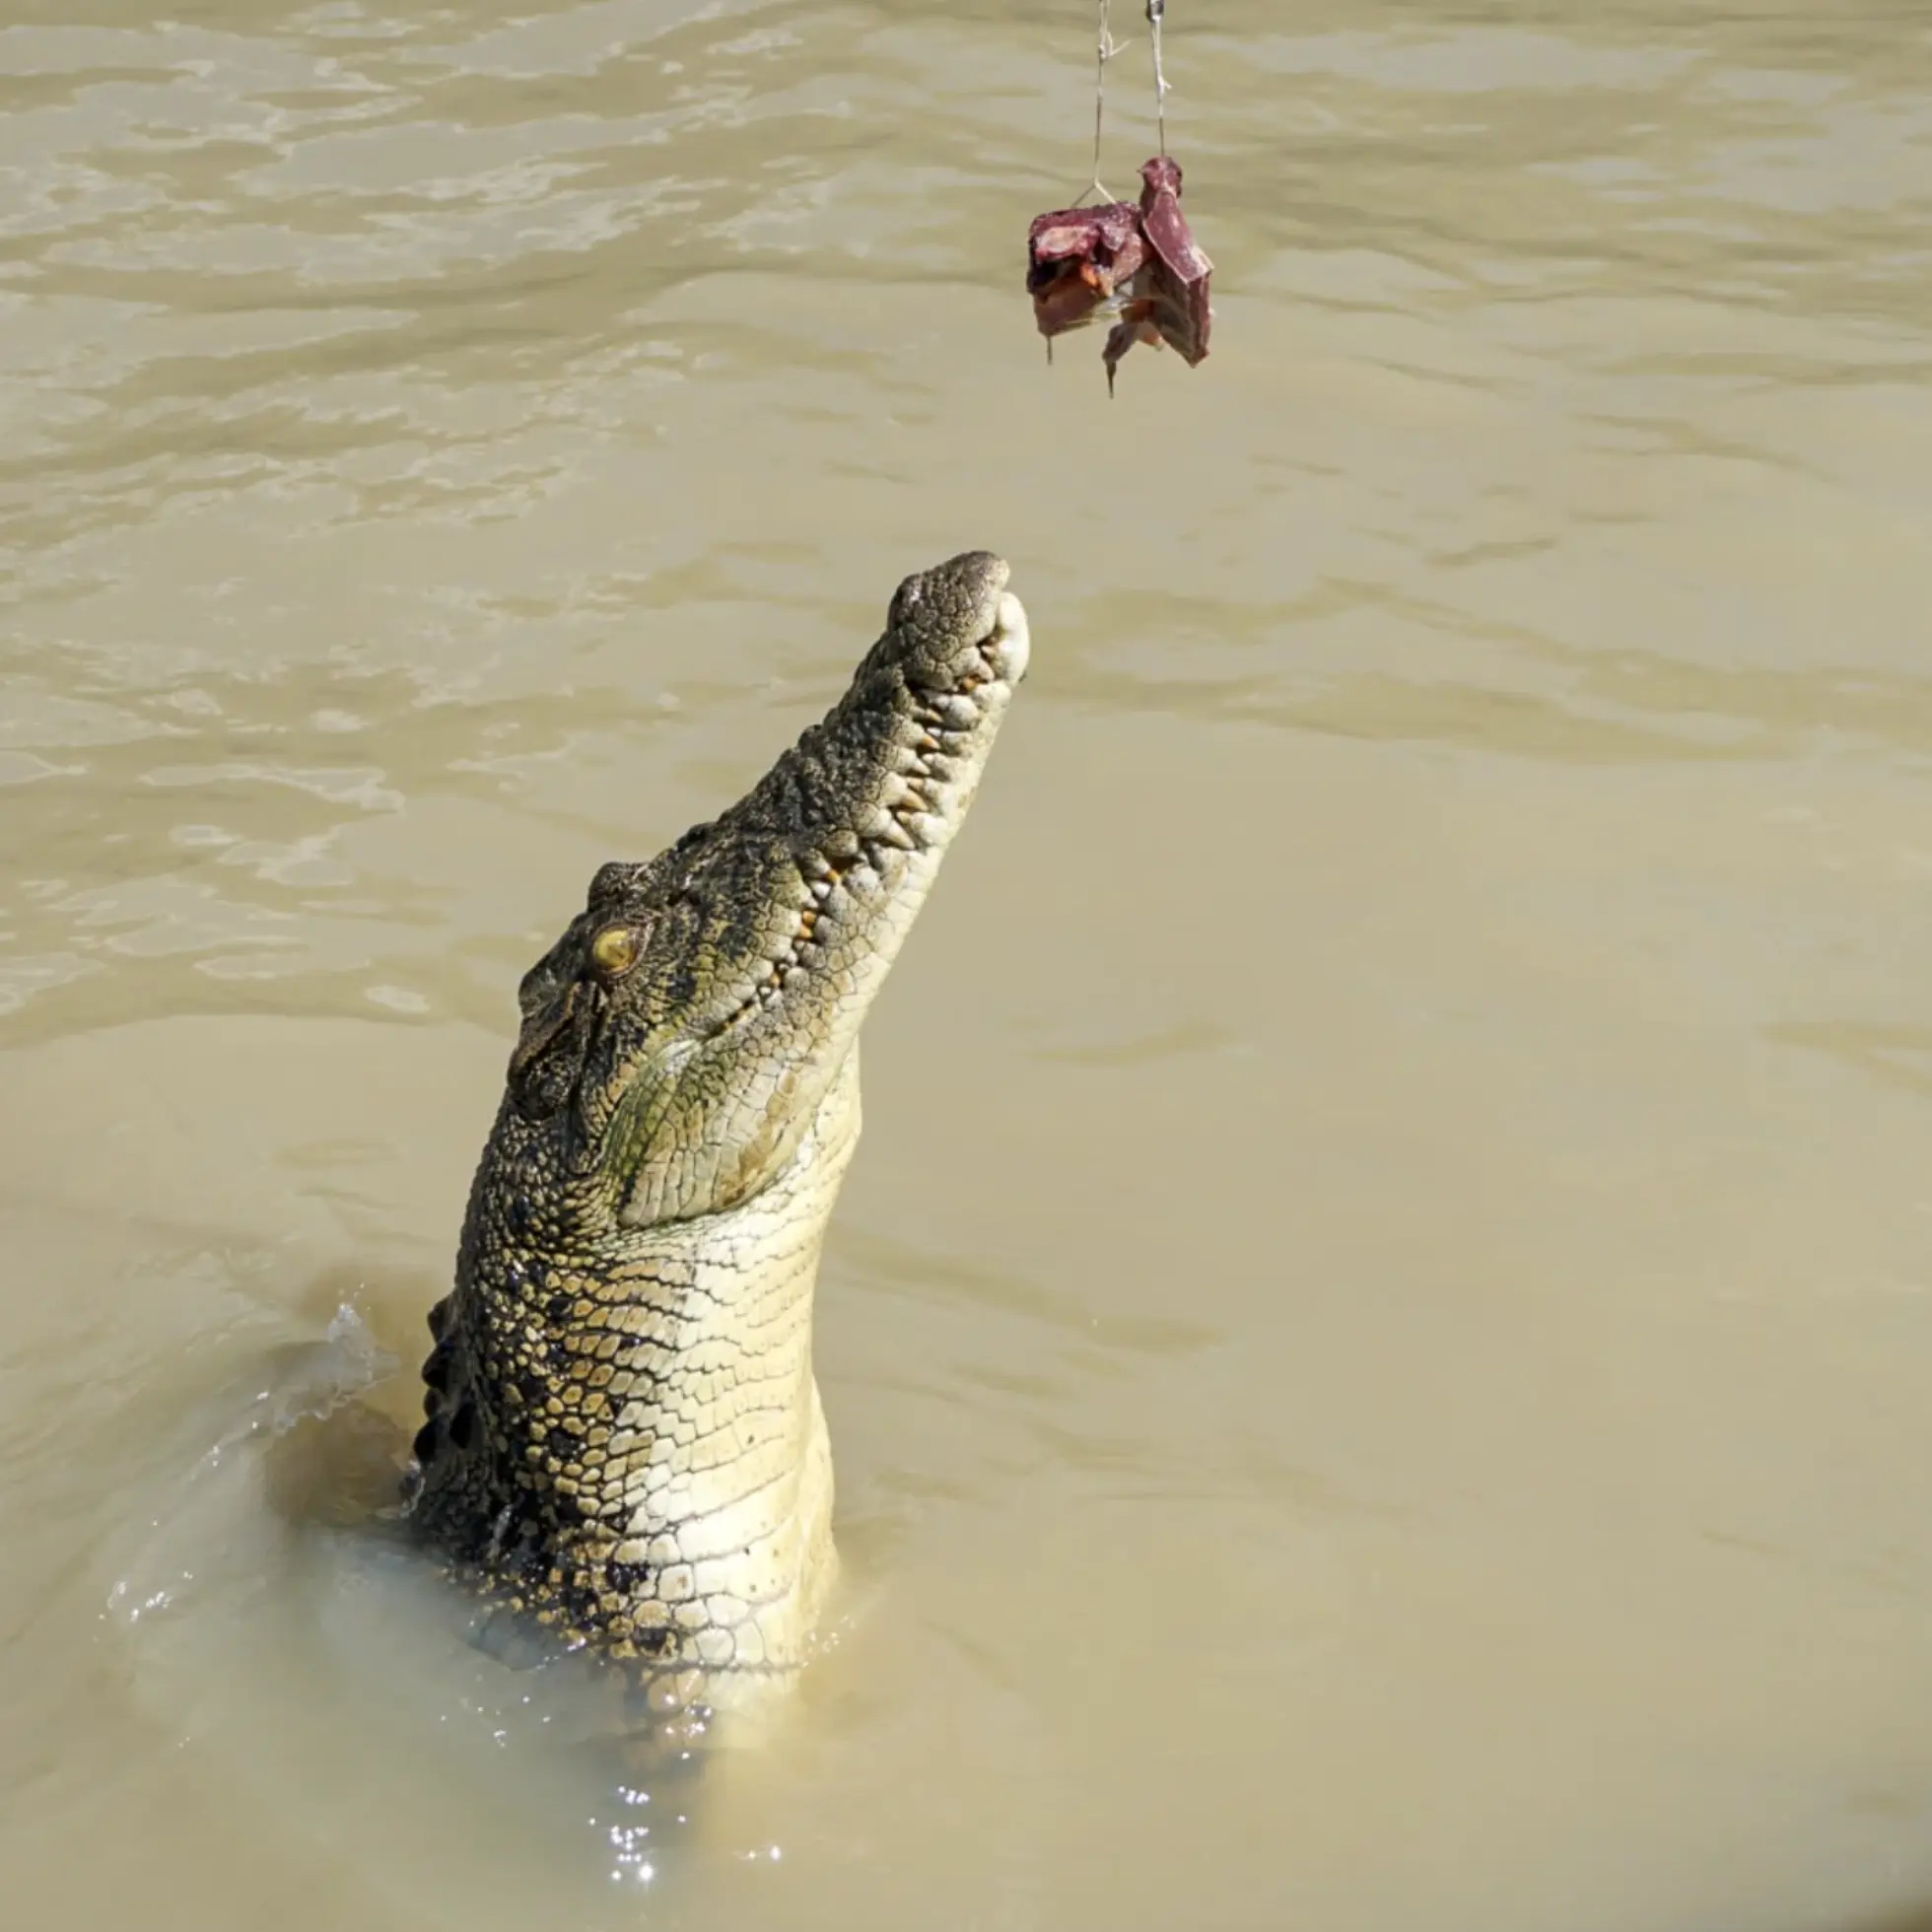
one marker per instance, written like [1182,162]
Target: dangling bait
[1141,263]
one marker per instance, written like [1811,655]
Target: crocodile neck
[695,1534]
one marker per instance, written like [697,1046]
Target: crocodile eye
[614,950]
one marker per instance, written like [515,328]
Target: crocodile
[623,1446]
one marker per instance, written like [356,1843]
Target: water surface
[1377,1345]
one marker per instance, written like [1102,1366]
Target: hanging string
[1105,47]
[1156,9]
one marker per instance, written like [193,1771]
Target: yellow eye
[614,950]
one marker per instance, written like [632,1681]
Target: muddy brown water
[1378,1345]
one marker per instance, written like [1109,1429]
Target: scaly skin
[624,1440]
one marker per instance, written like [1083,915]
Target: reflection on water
[1376,1346]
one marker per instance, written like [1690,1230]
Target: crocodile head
[677,1040]
[623,1432]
